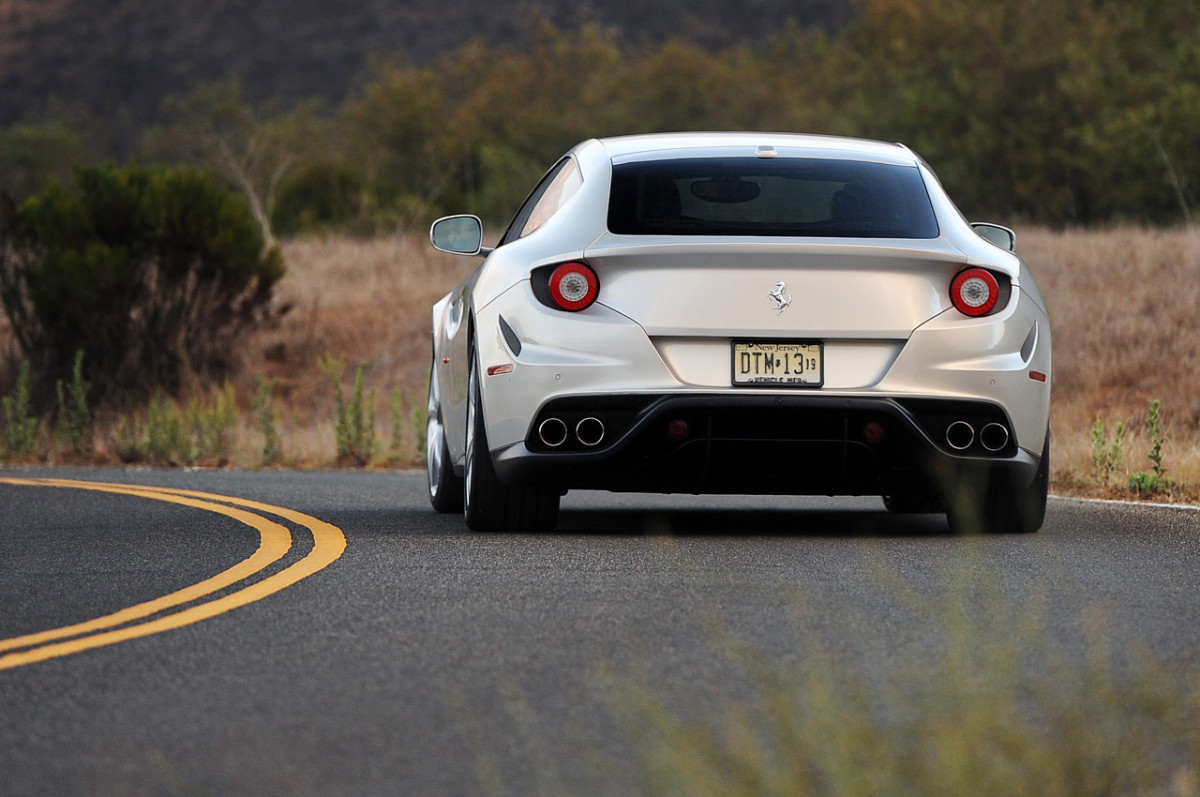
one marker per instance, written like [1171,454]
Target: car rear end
[768,318]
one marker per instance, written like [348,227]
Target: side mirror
[458,235]
[995,234]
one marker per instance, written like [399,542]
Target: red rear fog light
[874,432]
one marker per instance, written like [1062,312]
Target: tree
[253,150]
[152,273]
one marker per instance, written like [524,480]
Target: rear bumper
[804,444]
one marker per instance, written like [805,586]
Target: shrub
[205,432]
[264,413]
[1155,482]
[319,195]
[1106,457]
[211,428]
[20,426]
[74,417]
[153,273]
[354,422]
[165,441]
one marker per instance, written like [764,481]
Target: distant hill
[109,55]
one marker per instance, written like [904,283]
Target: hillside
[108,55]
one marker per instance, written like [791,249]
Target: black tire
[1005,508]
[490,505]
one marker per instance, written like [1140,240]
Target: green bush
[1106,456]
[1091,115]
[317,196]
[264,413]
[212,427]
[74,417]
[154,274]
[20,426]
[204,433]
[1151,484]
[354,421]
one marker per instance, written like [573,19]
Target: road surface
[327,633]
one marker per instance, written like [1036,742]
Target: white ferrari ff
[754,313]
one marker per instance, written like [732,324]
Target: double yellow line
[275,540]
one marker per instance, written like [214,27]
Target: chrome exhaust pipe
[590,431]
[993,437]
[553,432]
[960,435]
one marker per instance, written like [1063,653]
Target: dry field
[368,301]
[1123,305]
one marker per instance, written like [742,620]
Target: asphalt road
[425,659]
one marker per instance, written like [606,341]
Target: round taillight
[974,292]
[573,286]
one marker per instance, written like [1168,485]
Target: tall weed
[21,427]
[354,421]
[212,428]
[74,416]
[1000,709]
[204,433]
[1106,456]
[164,432]
[264,413]
[1155,482]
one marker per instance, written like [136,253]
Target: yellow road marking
[328,544]
[275,542]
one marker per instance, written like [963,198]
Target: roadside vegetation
[145,300]
[993,705]
[150,318]
[1073,112]
[358,322]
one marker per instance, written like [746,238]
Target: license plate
[778,364]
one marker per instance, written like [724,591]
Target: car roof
[654,146]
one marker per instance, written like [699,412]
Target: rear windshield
[783,197]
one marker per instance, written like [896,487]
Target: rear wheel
[1002,507]
[490,505]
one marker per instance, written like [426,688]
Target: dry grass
[1123,306]
[368,301]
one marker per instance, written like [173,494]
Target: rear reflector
[495,370]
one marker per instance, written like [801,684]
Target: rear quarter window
[557,187]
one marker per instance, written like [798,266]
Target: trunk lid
[842,289]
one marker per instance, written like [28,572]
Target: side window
[559,185]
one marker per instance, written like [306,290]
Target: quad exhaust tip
[993,437]
[553,432]
[960,435]
[590,431]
